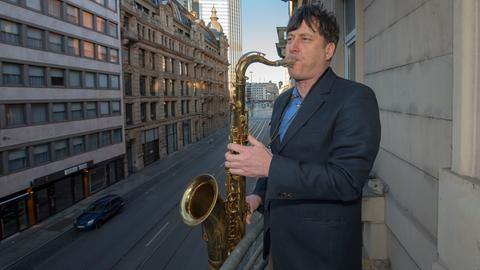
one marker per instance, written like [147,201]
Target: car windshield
[95,208]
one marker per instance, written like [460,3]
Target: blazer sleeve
[261,188]
[355,143]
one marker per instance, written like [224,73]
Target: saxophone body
[223,221]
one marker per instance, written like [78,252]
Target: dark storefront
[150,146]
[57,191]
[186,132]
[53,193]
[171,138]
[13,214]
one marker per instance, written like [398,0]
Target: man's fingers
[235,147]
[253,141]
[248,218]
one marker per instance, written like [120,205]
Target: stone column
[459,187]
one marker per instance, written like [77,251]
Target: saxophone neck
[252,57]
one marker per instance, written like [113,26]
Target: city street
[148,233]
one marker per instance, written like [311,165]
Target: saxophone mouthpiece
[289,61]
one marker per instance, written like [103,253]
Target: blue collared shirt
[290,112]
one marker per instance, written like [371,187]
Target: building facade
[61,124]
[175,80]
[421,59]
[230,17]
[261,91]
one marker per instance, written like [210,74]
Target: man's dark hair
[318,19]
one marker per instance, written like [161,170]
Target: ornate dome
[214,24]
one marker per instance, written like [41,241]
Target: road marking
[156,235]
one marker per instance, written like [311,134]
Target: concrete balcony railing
[128,36]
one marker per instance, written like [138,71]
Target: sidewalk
[22,244]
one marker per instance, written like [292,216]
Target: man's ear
[329,51]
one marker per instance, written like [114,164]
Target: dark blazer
[312,196]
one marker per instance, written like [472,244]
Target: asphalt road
[148,233]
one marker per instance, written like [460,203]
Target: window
[41,154]
[141,57]
[126,55]
[164,63]
[127,84]
[143,112]
[114,81]
[39,113]
[92,141]
[75,78]
[9,32]
[117,136]
[101,53]
[77,110]
[87,19]
[72,14]
[143,81]
[129,114]
[100,24]
[173,108]
[56,42]
[15,114]
[153,110]
[101,2]
[171,137]
[112,4]
[105,138]
[165,89]
[115,107]
[89,79]
[34,4]
[59,112]
[57,77]
[55,8]
[73,46]
[103,80]
[113,56]
[78,145]
[17,159]
[104,108]
[61,149]
[112,29]
[152,60]
[165,109]
[350,39]
[36,76]
[91,109]
[34,38]
[153,86]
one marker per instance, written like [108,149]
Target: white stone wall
[408,62]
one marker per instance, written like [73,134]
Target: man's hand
[251,161]
[253,201]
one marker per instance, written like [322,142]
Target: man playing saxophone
[325,135]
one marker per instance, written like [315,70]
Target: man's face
[310,51]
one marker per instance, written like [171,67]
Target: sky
[260,19]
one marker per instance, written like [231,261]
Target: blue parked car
[99,212]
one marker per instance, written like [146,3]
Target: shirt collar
[295,93]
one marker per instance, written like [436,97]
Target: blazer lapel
[277,116]
[311,103]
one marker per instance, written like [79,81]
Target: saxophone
[223,222]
